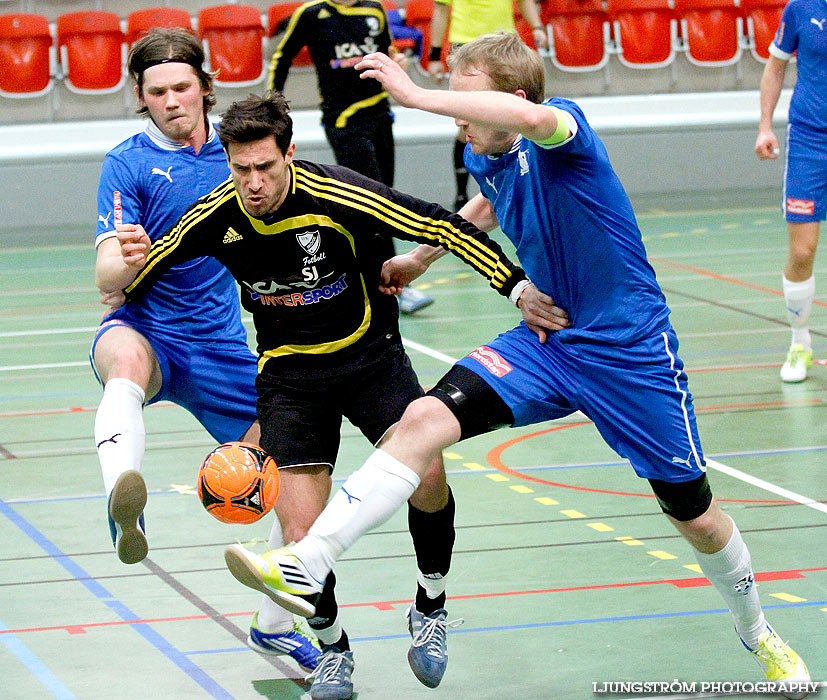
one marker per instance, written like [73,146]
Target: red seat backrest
[234,33]
[418,14]
[140,22]
[711,29]
[92,41]
[24,53]
[645,30]
[577,30]
[277,17]
[765,16]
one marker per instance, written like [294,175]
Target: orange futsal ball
[238,483]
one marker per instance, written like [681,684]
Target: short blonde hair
[510,64]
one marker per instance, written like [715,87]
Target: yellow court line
[474,465]
[521,489]
[497,477]
[601,527]
[788,598]
[546,501]
[631,541]
[573,513]
[693,567]
[451,455]
[660,554]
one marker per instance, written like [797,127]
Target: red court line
[494,458]
[75,409]
[81,628]
[723,278]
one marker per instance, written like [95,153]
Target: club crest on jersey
[311,241]
[522,156]
[491,361]
[800,206]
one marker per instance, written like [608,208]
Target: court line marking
[766,485]
[389,605]
[35,665]
[198,675]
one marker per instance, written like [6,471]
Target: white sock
[329,635]
[434,584]
[367,499]
[730,571]
[119,429]
[799,298]
[272,617]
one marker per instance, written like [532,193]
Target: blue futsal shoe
[412,300]
[428,655]
[126,517]
[295,644]
[332,677]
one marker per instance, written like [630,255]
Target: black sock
[327,608]
[460,172]
[433,538]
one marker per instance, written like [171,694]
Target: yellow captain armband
[561,133]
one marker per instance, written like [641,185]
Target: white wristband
[514,297]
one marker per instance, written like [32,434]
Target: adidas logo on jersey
[232,236]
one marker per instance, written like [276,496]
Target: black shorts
[301,409]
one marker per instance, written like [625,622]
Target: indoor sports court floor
[565,572]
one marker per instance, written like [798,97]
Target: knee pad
[477,407]
[683,500]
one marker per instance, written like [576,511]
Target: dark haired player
[183,341]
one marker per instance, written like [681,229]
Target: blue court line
[539,625]
[145,630]
[38,669]
[461,472]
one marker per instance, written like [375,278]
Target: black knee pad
[683,500]
[477,407]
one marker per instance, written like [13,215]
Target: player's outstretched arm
[496,110]
[120,258]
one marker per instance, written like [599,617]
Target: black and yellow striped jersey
[310,272]
[337,36]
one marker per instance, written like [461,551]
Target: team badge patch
[800,206]
[311,241]
[491,361]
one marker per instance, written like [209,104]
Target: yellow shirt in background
[473,18]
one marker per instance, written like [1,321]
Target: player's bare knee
[424,423]
[432,494]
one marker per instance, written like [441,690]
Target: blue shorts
[637,395]
[805,175]
[215,381]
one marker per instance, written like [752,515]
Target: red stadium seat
[26,55]
[418,14]
[140,22]
[711,30]
[277,18]
[763,20]
[579,33]
[397,27]
[233,37]
[645,31]
[92,51]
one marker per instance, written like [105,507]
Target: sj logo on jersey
[491,361]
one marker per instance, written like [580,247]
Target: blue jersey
[575,232]
[158,179]
[803,29]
